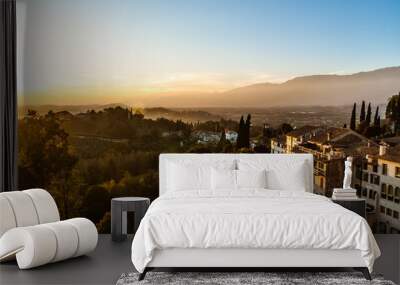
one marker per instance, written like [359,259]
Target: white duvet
[250,219]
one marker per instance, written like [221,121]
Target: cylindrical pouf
[87,235]
[33,246]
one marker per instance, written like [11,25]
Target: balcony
[318,155]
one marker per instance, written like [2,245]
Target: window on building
[358,172]
[375,179]
[388,212]
[321,182]
[397,195]
[383,191]
[371,194]
[395,214]
[384,169]
[365,176]
[364,192]
[375,168]
[365,166]
[390,192]
[397,171]
[383,209]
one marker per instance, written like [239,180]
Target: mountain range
[375,86]
[316,90]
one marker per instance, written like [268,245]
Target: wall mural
[105,87]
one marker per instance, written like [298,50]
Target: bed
[245,211]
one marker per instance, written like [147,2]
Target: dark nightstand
[119,208]
[356,205]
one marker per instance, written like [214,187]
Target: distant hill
[73,109]
[184,115]
[375,86]
[65,111]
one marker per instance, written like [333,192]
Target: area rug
[244,278]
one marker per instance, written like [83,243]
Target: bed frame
[238,259]
[249,259]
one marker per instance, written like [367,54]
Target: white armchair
[31,230]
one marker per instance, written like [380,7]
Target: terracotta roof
[393,141]
[333,132]
[392,154]
[367,150]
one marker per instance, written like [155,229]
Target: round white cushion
[7,219]
[87,235]
[66,238]
[33,246]
[23,208]
[45,205]
[26,208]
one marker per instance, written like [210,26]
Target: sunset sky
[157,46]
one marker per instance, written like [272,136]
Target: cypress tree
[362,112]
[376,118]
[246,141]
[397,115]
[222,141]
[368,117]
[240,138]
[392,111]
[223,136]
[353,118]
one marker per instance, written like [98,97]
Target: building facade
[278,145]
[298,136]
[376,168]
[330,147]
[378,181]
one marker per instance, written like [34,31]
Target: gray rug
[228,278]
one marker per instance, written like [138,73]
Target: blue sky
[201,45]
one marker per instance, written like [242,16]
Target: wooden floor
[110,260]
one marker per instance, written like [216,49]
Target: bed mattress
[250,219]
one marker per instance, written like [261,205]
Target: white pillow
[281,174]
[227,179]
[293,180]
[251,178]
[182,177]
[223,179]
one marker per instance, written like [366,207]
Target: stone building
[378,181]
[330,147]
